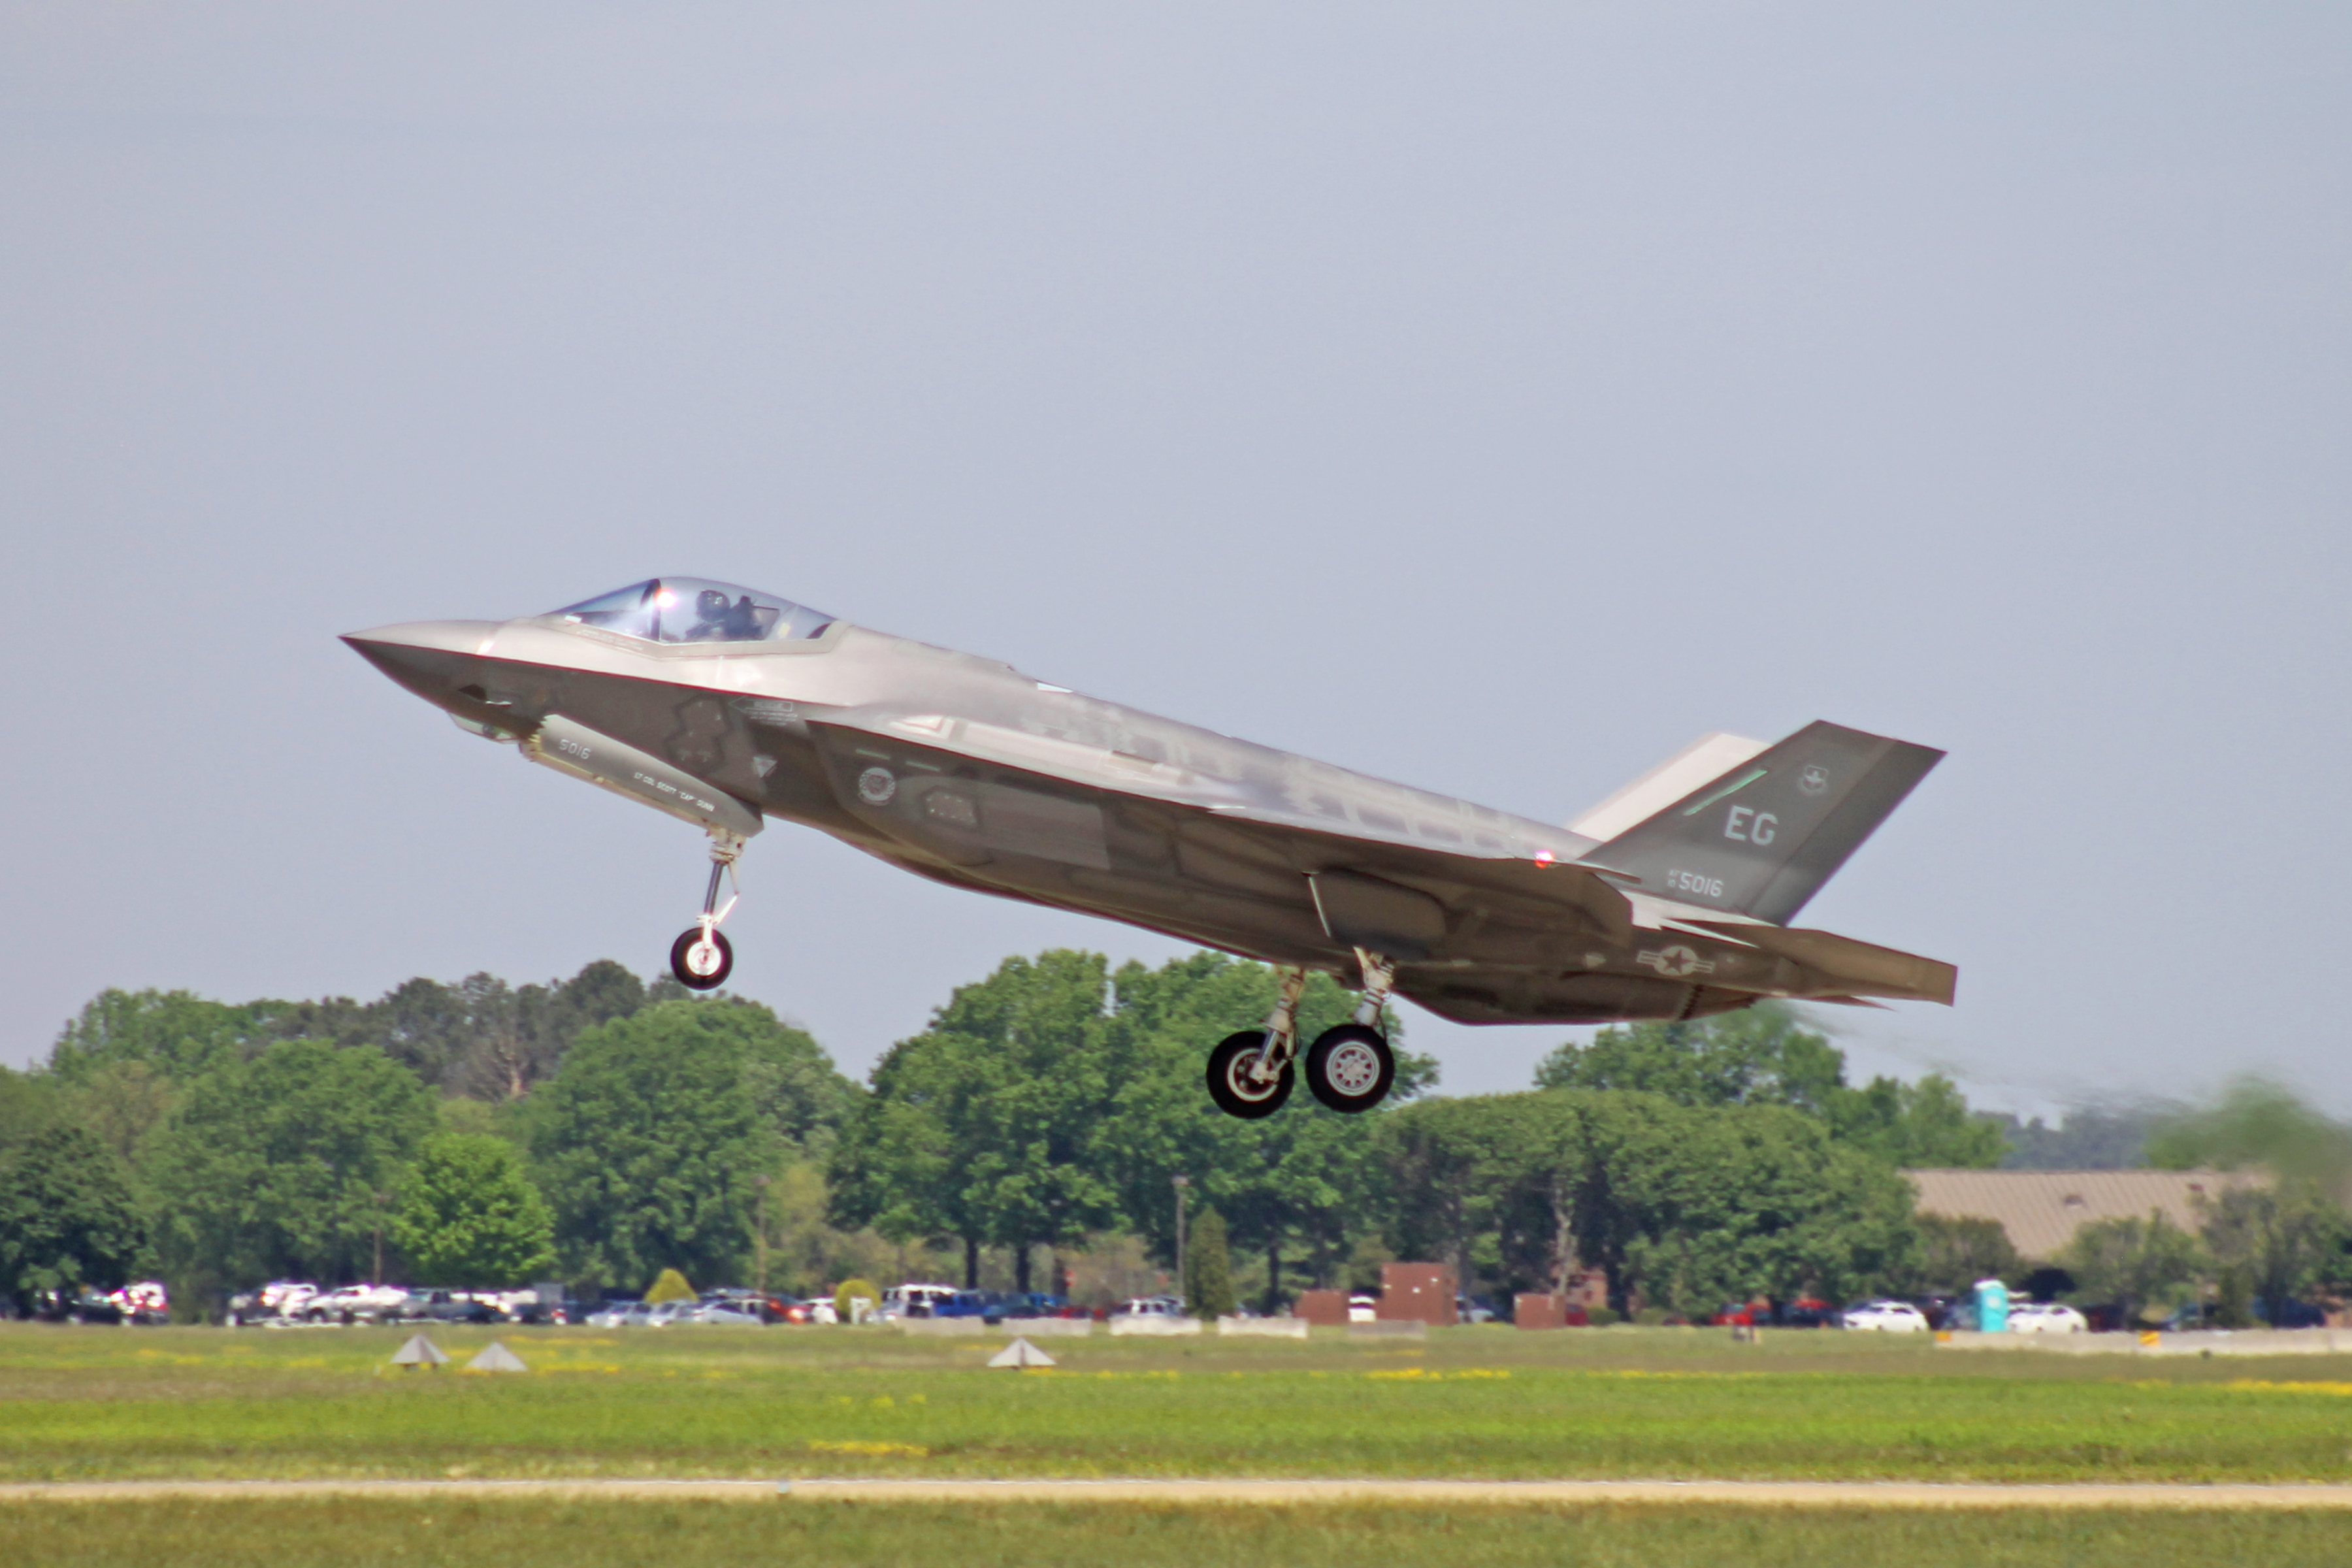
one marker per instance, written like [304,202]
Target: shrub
[861,1290]
[669,1285]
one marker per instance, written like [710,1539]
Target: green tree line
[599,1129]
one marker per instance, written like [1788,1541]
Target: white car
[285,1297]
[914,1301]
[1363,1309]
[364,1303]
[1149,1307]
[1886,1317]
[2046,1318]
[726,1314]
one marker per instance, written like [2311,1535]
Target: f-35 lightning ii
[725,706]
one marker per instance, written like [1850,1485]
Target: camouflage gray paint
[963,770]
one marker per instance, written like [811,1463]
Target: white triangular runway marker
[419,1352]
[1021,1352]
[496,1357]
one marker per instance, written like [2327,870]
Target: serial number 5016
[1692,882]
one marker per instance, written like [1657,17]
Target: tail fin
[1761,838]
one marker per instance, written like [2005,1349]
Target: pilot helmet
[711,605]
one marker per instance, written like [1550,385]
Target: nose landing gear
[701,958]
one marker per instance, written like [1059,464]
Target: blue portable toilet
[1992,1307]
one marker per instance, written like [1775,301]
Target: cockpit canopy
[694,609]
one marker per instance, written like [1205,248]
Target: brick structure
[1417,1293]
[1323,1309]
[1587,1288]
[1533,1311]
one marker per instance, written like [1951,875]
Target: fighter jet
[724,706]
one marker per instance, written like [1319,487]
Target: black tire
[1350,1068]
[683,950]
[1229,1083]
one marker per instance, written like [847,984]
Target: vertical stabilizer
[1760,837]
[1708,757]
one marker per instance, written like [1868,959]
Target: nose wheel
[702,958]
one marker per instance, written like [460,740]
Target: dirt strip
[1793,1494]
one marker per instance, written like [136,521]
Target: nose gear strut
[702,957]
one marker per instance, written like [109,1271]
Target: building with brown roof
[2043,1209]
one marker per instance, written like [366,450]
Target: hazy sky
[1489,397]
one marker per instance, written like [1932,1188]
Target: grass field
[1471,1403]
[362,1533]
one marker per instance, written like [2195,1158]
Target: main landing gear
[702,957]
[1350,1067]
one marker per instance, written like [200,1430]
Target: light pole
[1180,1183]
[760,1238]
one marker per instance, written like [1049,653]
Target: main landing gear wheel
[1351,1068]
[701,959]
[1233,1081]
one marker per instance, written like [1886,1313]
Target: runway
[1213,1492]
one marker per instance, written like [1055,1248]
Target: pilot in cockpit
[718,621]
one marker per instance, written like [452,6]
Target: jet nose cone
[429,658]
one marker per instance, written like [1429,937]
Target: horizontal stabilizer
[1762,837]
[1859,966]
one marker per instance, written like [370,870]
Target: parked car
[1473,1309]
[1149,1307]
[914,1301]
[273,1302]
[2295,1315]
[722,1314]
[87,1306]
[1742,1315]
[650,1314]
[282,1298]
[742,1299]
[1363,1308]
[1806,1312]
[2045,1318]
[142,1303]
[1939,1310]
[1886,1317]
[822,1310]
[609,1315]
[537,1310]
[444,1306]
[352,1304]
